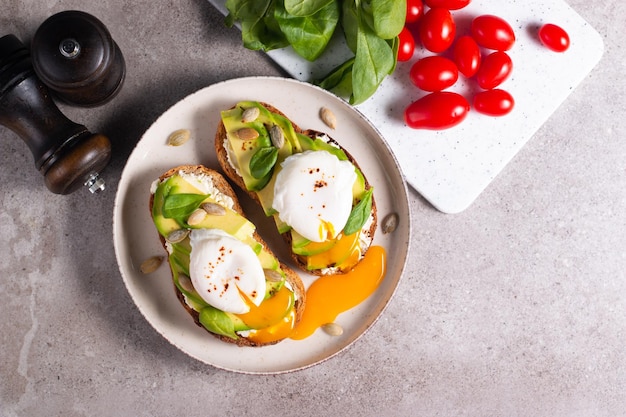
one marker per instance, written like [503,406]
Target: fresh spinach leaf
[374,60]
[180,206]
[385,17]
[259,31]
[308,35]
[218,322]
[305,7]
[359,214]
[339,80]
[370,29]
[350,23]
[242,10]
[263,161]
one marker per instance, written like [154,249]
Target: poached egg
[225,271]
[313,194]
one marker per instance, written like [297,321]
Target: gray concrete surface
[515,307]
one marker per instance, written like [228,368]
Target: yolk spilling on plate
[273,317]
[331,295]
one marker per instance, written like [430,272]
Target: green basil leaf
[263,161]
[306,7]
[374,60]
[308,35]
[177,206]
[359,214]
[218,322]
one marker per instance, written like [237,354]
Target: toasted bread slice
[292,280]
[224,159]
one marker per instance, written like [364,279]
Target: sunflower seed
[272,275]
[277,136]
[332,329]
[328,117]
[178,137]
[151,264]
[390,223]
[185,283]
[250,114]
[177,235]
[213,209]
[196,217]
[247,133]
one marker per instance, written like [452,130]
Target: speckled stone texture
[514,307]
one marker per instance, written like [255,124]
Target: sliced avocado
[243,150]
[297,240]
[281,225]
[231,223]
[303,246]
[164,225]
[268,261]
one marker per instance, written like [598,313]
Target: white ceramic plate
[450,168]
[135,237]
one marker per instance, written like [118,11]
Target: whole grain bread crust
[291,276]
[231,173]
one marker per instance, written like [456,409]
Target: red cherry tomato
[437,30]
[435,111]
[493,32]
[414,10]
[447,4]
[554,37]
[406,46]
[434,73]
[494,102]
[466,55]
[494,69]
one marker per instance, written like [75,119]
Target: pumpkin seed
[277,136]
[196,217]
[213,209]
[272,275]
[333,329]
[247,133]
[178,137]
[390,223]
[250,114]
[151,264]
[328,117]
[177,236]
[185,283]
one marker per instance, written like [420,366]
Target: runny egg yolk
[344,254]
[274,317]
[331,295]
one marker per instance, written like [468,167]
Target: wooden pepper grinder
[65,153]
[74,54]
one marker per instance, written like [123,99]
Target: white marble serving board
[450,168]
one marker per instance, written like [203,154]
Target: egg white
[222,267]
[313,194]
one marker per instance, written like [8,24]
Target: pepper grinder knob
[65,153]
[74,54]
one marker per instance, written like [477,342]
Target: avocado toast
[202,227]
[286,170]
